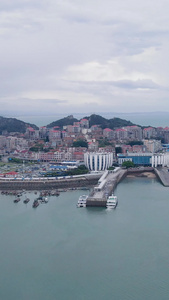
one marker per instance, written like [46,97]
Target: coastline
[69,183]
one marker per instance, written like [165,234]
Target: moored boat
[44,200]
[26,200]
[35,203]
[82,201]
[112,201]
[17,200]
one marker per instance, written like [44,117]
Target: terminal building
[145,159]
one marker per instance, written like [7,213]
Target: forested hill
[108,123]
[63,122]
[14,125]
[93,120]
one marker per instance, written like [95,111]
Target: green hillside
[93,120]
[14,125]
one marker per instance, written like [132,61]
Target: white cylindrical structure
[98,161]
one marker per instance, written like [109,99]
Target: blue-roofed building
[165,147]
[144,159]
[58,167]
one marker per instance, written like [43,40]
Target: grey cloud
[44,101]
[41,40]
[121,84]
[8,5]
[139,84]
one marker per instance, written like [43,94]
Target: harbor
[109,180]
[103,184]
[58,237]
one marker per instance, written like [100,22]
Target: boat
[35,203]
[44,200]
[112,201]
[82,201]
[17,200]
[26,200]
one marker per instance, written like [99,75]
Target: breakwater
[163,175]
[82,181]
[49,184]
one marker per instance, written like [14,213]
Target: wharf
[102,191]
[163,175]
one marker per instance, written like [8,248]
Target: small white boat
[44,200]
[82,201]
[112,201]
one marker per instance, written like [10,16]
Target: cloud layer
[66,56]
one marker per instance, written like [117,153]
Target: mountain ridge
[93,120]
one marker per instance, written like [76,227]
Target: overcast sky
[94,56]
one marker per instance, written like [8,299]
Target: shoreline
[68,183]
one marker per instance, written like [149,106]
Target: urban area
[54,151]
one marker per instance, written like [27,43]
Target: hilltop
[63,122]
[14,125]
[93,120]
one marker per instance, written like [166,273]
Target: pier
[108,182]
[105,187]
[163,175]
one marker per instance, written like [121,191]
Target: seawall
[47,184]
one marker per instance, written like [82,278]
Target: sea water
[59,251]
[155,119]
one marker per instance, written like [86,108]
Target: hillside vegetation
[63,122]
[93,120]
[14,125]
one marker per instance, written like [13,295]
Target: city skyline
[97,57]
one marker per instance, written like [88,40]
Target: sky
[92,56]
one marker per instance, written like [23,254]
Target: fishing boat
[17,200]
[26,200]
[35,203]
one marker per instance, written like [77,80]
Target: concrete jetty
[105,188]
[163,175]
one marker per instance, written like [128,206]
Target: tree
[132,143]
[104,143]
[78,171]
[118,150]
[80,143]
[128,164]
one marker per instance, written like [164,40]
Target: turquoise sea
[60,252]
